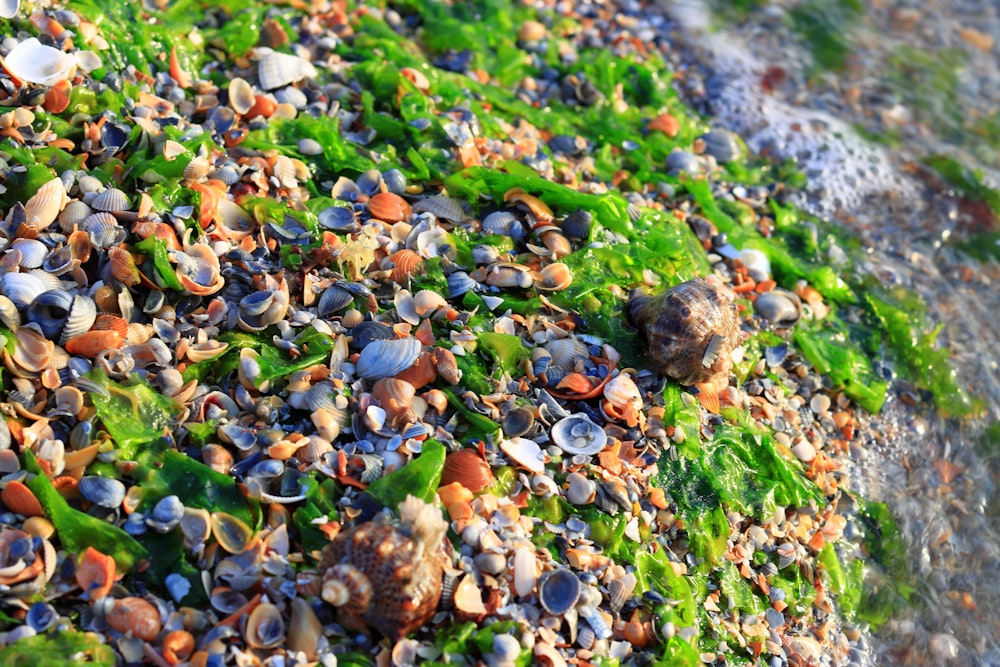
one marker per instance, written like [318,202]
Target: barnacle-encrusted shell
[404,564]
[691,328]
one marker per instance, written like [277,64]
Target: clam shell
[503,223]
[82,313]
[580,490]
[576,434]
[32,251]
[558,591]
[103,229]
[553,277]
[137,616]
[44,206]
[441,206]
[468,468]
[304,629]
[779,307]
[525,453]
[166,514]
[21,288]
[49,310]
[525,571]
[566,352]
[276,70]
[102,491]
[385,358]
[339,219]
[35,62]
[241,95]
[577,225]
[622,391]
[110,200]
[332,299]
[461,282]
[8,10]
[389,207]
[32,350]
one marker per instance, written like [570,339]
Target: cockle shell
[35,62]
[21,288]
[389,207]
[385,358]
[32,251]
[404,563]
[110,200]
[691,329]
[44,206]
[441,206]
[468,468]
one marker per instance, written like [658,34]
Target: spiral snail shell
[691,329]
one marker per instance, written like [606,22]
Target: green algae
[66,648]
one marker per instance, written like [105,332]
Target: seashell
[8,10]
[199,272]
[21,288]
[61,260]
[103,229]
[196,168]
[441,206]
[241,95]
[136,616]
[468,468]
[558,591]
[19,499]
[681,162]
[33,352]
[265,627]
[339,219]
[404,563]
[196,526]
[81,316]
[41,616]
[566,352]
[396,398]
[35,62]
[102,491]
[385,358]
[526,453]
[50,310]
[691,329]
[468,597]
[620,591]
[95,573]
[723,145]
[577,225]
[576,434]
[166,514]
[73,214]
[33,252]
[210,349]
[111,200]
[231,533]
[8,312]
[123,266]
[405,264]
[304,629]
[461,282]
[177,646]
[779,307]
[369,182]
[622,392]
[503,223]
[236,222]
[517,422]
[92,343]
[276,70]
[533,204]
[389,207]
[553,277]
[580,490]
[260,310]
[525,568]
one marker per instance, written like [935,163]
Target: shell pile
[222,291]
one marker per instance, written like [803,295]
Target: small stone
[531,31]
[979,40]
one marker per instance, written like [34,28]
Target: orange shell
[108,322]
[57,97]
[666,124]
[96,573]
[178,646]
[467,468]
[421,373]
[406,263]
[389,207]
[92,343]
[395,396]
[123,266]
[19,499]
[137,616]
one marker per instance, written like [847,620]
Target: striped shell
[389,207]
[44,206]
[691,329]
[275,70]
[111,200]
[385,358]
[32,251]
[441,206]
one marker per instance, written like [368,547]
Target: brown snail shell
[691,329]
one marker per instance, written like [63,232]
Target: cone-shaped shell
[691,329]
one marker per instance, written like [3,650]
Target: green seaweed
[827,346]
[420,477]
[163,270]
[133,413]
[68,648]
[319,506]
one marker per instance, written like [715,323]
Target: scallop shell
[32,251]
[461,282]
[622,391]
[103,229]
[406,262]
[102,491]
[35,62]
[691,329]
[44,206]
[566,352]
[577,225]
[577,434]
[503,223]
[468,468]
[275,70]
[111,200]
[441,206]
[123,266]
[82,313]
[385,358]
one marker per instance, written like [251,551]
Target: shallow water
[938,476]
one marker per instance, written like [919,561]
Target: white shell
[21,288]
[111,200]
[34,62]
[44,206]
[275,70]
[8,8]
[621,390]
[241,95]
[576,434]
[525,571]
[385,358]
[524,452]
[32,251]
